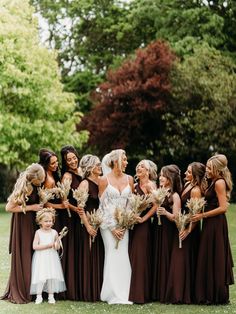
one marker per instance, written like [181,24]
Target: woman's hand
[183,234]
[139,220]
[91,231]
[35,207]
[66,204]
[118,233]
[80,211]
[161,211]
[197,217]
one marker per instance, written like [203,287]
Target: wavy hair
[173,174]
[64,152]
[23,186]
[43,212]
[220,169]
[87,164]
[114,155]
[44,160]
[151,167]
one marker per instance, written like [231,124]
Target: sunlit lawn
[99,307]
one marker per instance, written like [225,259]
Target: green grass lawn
[99,307]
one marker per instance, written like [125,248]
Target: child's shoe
[51,299]
[39,299]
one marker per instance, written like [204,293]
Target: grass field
[62,307]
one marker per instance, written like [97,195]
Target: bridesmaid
[214,266]
[49,161]
[163,235]
[181,281]
[91,253]
[23,203]
[140,237]
[70,259]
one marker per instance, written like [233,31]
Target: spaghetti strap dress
[140,259]
[215,263]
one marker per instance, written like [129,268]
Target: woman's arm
[84,187]
[148,215]
[220,188]
[13,207]
[102,184]
[175,209]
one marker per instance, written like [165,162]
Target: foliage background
[43,92]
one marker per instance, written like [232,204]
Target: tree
[200,117]
[35,111]
[130,103]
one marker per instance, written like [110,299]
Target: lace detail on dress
[110,199]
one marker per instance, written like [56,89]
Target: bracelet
[204,215]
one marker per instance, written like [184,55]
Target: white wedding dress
[117,269]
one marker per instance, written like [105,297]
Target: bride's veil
[105,161]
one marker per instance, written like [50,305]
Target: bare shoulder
[84,184]
[151,186]
[102,183]
[131,179]
[196,192]
[220,185]
[67,176]
[176,197]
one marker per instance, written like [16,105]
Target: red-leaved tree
[128,107]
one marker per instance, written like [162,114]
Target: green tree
[200,117]
[35,111]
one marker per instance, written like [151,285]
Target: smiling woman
[115,189]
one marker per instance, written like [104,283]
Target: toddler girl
[47,272]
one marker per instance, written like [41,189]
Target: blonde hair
[114,155]
[87,164]
[219,164]
[43,212]
[151,167]
[23,186]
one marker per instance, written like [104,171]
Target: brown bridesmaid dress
[214,266]
[71,259]
[23,227]
[140,259]
[181,281]
[91,254]
[163,237]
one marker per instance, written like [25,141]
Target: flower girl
[47,272]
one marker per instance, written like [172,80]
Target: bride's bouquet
[125,219]
[195,206]
[181,221]
[158,197]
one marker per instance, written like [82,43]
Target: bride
[114,190]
